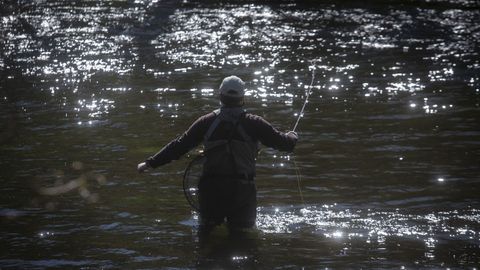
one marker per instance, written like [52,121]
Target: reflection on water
[373,226]
[388,159]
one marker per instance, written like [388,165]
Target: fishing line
[191,179]
[299,175]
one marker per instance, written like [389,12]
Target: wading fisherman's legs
[224,198]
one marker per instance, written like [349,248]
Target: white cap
[232,86]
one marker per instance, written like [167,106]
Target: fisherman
[230,137]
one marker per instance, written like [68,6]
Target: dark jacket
[255,126]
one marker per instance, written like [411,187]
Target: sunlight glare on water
[370,226]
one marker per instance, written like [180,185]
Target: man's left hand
[142,167]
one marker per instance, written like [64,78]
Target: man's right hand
[292,134]
[141,167]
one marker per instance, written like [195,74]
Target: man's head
[232,91]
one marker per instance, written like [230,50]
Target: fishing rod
[309,90]
[297,170]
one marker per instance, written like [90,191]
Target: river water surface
[385,175]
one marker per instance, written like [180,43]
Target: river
[385,174]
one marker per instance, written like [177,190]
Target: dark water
[389,156]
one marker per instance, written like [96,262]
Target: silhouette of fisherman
[230,137]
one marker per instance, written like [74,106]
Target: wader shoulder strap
[213,126]
[229,145]
[217,121]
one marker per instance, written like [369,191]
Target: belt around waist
[249,177]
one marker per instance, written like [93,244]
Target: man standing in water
[230,137]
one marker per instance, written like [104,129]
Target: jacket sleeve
[271,137]
[181,145]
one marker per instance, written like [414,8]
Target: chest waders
[234,156]
[226,188]
[228,162]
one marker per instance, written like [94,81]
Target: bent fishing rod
[309,90]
